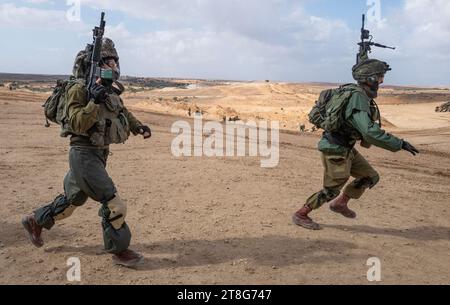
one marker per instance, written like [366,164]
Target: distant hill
[11,77]
[162,82]
[156,83]
[153,83]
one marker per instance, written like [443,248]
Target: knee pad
[62,208]
[66,213]
[367,183]
[117,212]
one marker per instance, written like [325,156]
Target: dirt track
[223,220]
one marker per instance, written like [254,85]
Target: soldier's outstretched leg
[116,234]
[61,208]
[365,177]
[89,168]
[337,173]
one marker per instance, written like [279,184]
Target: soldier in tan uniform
[360,122]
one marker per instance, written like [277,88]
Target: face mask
[110,70]
[371,90]
[375,87]
[116,74]
[109,76]
[106,76]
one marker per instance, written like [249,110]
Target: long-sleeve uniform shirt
[83,115]
[361,116]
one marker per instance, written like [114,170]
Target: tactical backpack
[55,108]
[328,112]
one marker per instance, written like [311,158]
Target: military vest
[112,126]
[347,135]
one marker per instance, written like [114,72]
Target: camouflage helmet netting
[80,65]
[108,49]
[368,68]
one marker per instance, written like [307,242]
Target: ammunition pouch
[117,130]
[111,131]
[338,138]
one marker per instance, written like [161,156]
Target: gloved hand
[409,148]
[98,93]
[145,131]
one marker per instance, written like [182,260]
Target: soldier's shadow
[419,233]
[279,250]
[267,251]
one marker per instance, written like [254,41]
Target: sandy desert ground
[227,220]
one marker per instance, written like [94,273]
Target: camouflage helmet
[80,65]
[369,68]
[109,49]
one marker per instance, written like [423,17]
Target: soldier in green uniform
[93,126]
[362,122]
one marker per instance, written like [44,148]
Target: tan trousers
[338,170]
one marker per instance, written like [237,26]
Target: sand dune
[289,103]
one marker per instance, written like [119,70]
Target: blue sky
[284,40]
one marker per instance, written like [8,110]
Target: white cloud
[421,31]
[249,39]
[253,39]
[192,53]
[34,18]
[117,32]
[38,1]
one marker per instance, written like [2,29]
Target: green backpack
[328,112]
[55,108]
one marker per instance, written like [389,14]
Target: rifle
[94,54]
[366,44]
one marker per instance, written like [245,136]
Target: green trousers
[87,178]
[338,170]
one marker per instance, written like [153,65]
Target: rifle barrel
[383,46]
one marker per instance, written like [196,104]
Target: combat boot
[340,206]
[302,219]
[34,230]
[128,258]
